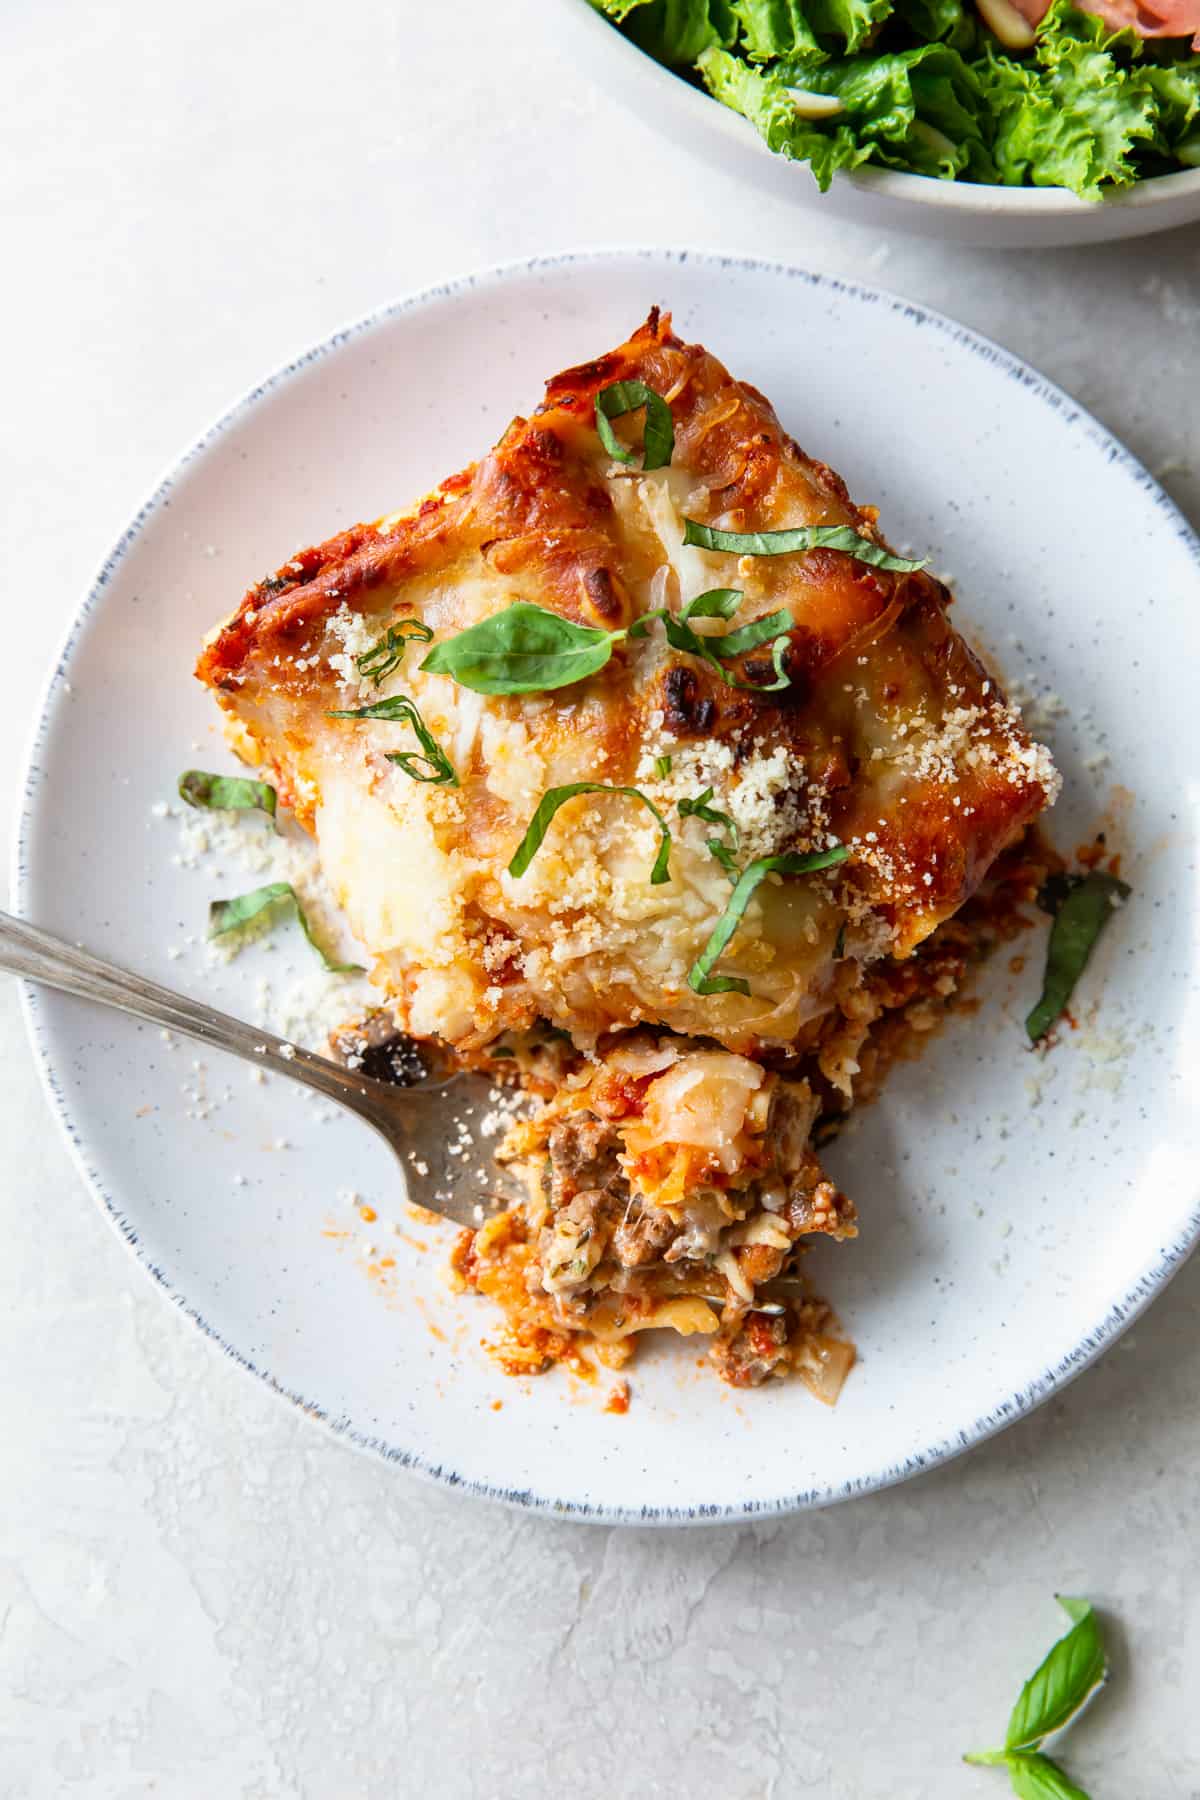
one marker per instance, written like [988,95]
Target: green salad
[928,87]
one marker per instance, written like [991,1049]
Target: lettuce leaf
[1077,123]
[939,21]
[673,31]
[772,28]
[851,22]
[809,31]
[1176,89]
[917,109]
[764,100]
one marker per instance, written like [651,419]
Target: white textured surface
[201,1596]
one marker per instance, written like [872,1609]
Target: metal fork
[433,1127]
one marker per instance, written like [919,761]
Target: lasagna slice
[637,733]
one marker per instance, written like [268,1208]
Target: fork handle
[39,956]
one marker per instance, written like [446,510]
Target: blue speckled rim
[1119,1316]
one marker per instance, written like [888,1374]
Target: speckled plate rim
[1120,1314]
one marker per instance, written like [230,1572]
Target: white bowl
[961,212]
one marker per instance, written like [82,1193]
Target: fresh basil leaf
[700,977]
[1061,1683]
[717,603]
[226,793]
[700,809]
[385,657]
[430,763]
[523,650]
[787,543]
[658,436]
[228,915]
[662,767]
[548,806]
[1035,1777]
[1081,917]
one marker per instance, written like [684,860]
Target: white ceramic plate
[959,212]
[1017,1212]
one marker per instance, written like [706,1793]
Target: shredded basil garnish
[700,977]
[658,436]
[228,915]
[786,543]
[430,763]
[722,603]
[385,657]
[749,637]
[525,649]
[700,809]
[717,603]
[548,806]
[1083,912]
[721,852]
[226,793]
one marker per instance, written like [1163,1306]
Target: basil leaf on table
[1061,1682]
[1084,911]
[658,435]
[525,649]
[228,915]
[555,798]
[385,656]
[226,793]
[430,763]
[700,977]
[797,539]
[1035,1777]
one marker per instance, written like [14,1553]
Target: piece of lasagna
[635,751]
